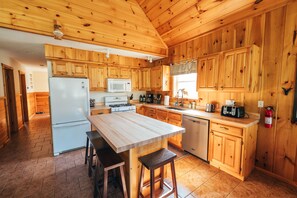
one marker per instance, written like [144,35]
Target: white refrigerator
[69,104]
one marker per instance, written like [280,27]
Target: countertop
[126,130]
[214,117]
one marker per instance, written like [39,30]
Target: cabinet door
[79,69]
[161,115]
[166,78]
[150,112]
[156,78]
[113,72]
[125,73]
[135,79]
[208,72]
[61,68]
[217,146]
[97,77]
[232,153]
[227,74]
[145,79]
[240,69]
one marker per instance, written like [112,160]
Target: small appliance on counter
[233,111]
[166,100]
[210,108]
[158,98]
[149,98]
[92,102]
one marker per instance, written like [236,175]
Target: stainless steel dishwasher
[195,139]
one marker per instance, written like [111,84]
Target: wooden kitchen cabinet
[240,69]
[232,149]
[175,119]
[140,110]
[97,77]
[207,69]
[145,79]
[69,69]
[113,72]
[150,112]
[125,72]
[79,70]
[61,68]
[161,115]
[135,79]
[160,76]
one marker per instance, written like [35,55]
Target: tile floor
[27,169]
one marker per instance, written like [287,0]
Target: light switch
[260,103]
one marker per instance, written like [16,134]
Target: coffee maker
[149,98]
[158,98]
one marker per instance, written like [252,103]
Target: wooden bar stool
[153,161]
[96,142]
[110,161]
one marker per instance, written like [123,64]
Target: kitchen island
[133,135]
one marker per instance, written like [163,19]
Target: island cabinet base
[133,166]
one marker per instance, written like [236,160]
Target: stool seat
[157,159]
[153,161]
[109,158]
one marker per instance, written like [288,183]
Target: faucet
[182,97]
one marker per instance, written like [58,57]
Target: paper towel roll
[166,100]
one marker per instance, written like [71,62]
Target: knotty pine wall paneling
[4,137]
[273,32]
[42,102]
[19,110]
[31,98]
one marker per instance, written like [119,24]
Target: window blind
[186,67]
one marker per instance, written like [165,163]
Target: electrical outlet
[260,103]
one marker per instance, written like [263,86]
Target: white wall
[40,81]
[99,96]
[6,59]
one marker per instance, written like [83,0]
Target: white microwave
[118,85]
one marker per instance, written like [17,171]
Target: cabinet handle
[100,113]
[219,144]
[224,128]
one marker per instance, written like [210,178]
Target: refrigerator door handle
[88,102]
[70,124]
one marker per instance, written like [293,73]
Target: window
[187,82]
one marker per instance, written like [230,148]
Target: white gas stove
[119,104]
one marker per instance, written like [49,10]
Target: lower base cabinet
[232,149]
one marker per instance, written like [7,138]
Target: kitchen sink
[175,108]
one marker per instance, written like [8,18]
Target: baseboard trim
[292,183]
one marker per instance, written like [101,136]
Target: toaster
[233,111]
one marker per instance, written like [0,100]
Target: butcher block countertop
[127,130]
[213,117]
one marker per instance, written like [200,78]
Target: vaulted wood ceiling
[113,23]
[148,26]
[181,20]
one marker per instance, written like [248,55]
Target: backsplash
[99,96]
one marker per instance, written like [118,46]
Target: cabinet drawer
[100,111]
[226,129]
[175,122]
[174,116]
[149,109]
[161,115]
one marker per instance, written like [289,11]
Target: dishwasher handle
[196,120]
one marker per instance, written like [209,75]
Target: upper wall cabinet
[135,79]
[97,76]
[207,70]
[239,69]
[160,76]
[145,79]
[69,69]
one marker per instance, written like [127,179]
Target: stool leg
[87,151]
[91,159]
[141,181]
[162,177]
[105,183]
[152,183]
[123,181]
[96,179]
[174,179]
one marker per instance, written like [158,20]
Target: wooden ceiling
[113,23]
[147,26]
[181,20]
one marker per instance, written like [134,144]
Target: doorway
[9,93]
[23,91]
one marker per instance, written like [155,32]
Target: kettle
[210,108]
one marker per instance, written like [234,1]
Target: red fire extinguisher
[268,117]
